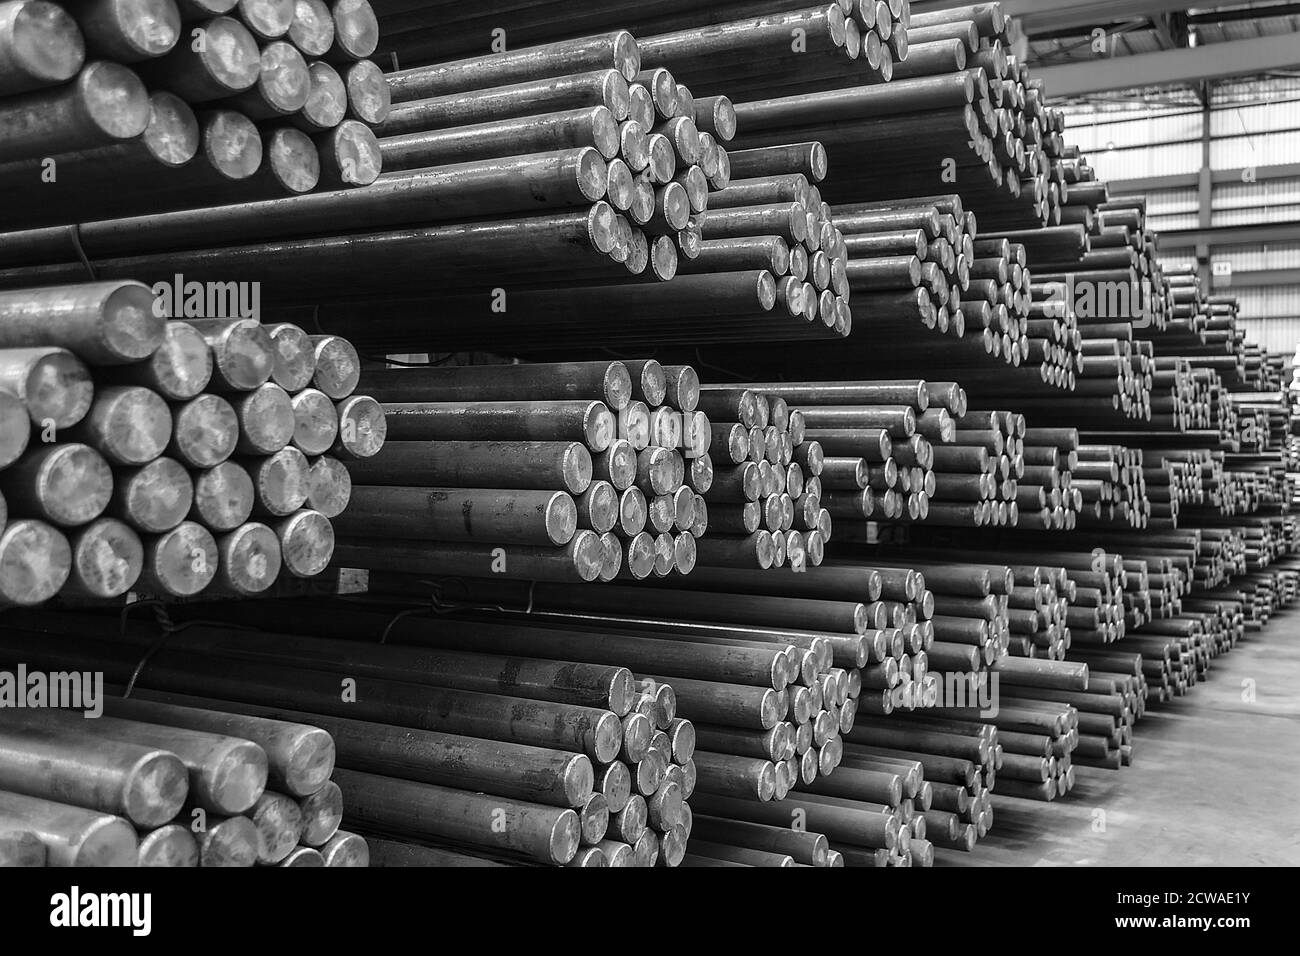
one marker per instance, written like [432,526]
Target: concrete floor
[1214,780]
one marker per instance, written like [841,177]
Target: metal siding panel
[1177,261]
[1259,257]
[1270,149]
[1253,216]
[1273,335]
[1166,202]
[1152,161]
[1094,130]
[1268,302]
[1255,119]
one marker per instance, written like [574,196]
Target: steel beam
[1186,180]
[1044,16]
[1257,278]
[1228,235]
[1173,67]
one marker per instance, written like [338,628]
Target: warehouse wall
[1249,125]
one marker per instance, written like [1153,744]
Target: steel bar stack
[564,159]
[768,683]
[761,47]
[765,490]
[760,255]
[922,260]
[549,202]
[874,807]
[881,625]
[184,105]
[1098,267]
[910,451]
[166,457]
[961,109]
[771,216]
[561,472]
[450,723]
[1067,494]
[158,785]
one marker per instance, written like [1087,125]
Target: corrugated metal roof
[1252,90]
[1138,35]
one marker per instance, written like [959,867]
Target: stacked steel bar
[768,682]
[855,430]
[875,805]
[452,723]
[566,472]
[261,99]
[51,99]
[773,190]
[196,456]
[756,45]
[960,96]
[558,184]
[921,261]
[912,262]
[763,485]
[1098,269]
[558,187]
[591,92]
[159,785]
[909,451]
[586,173]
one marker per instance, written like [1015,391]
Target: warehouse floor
[1213,781]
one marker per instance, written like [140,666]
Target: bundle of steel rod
[259,99]
[948,762]
[660,170]
[774,191]
[1153,347]
[973,105]
[920,706]
[764,485]
[769,683]
[920,262]
[167,458]
[549,180]
[760,254]
[664,151]
[1167,595]
[1040,700]
[904,450]
[1100,706]
[876,809]
[160,785]
[758,46]
[1104,241]
[911,262]
[448,726]
[1105,600]
[566,472]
